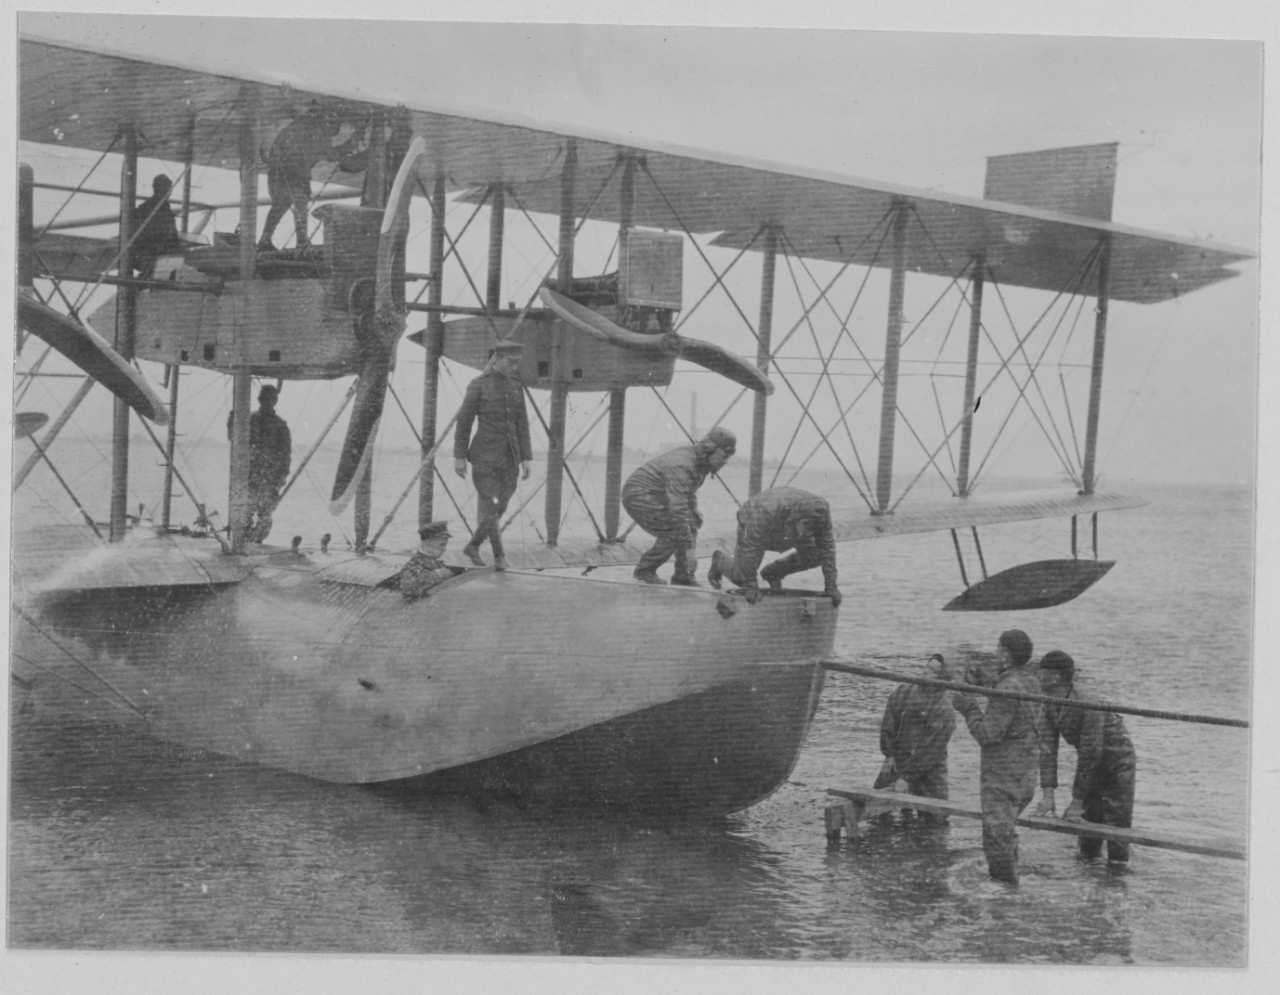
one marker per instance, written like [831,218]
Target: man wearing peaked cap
[270,454]
[1006,732]
[1103,787]
[500,452]
[662,497]
[426,568]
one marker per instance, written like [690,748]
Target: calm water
[122,843]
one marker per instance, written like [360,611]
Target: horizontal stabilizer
[1042,584]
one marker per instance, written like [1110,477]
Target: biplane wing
[825,216]
[77,97]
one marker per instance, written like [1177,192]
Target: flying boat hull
[544,686]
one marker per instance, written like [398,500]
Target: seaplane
[560,678]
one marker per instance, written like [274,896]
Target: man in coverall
[155,229]
[1103,787]
[301,145]
[500,451]
[270,451]
[1006,731]
[662,497]
[914,733]
[426,568]
[780,519]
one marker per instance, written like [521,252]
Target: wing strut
[892,348]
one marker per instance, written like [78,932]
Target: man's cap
[944,671]
[1018,643]
[161,182]
[508,348]
[721,438]
[434,530]
[1058,660]
[268,391]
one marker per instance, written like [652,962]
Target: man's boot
[472,552]
[773,576]
[648,577]
[715,571]
[686,569]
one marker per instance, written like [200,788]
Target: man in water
[1006,731]
[1103,787]
[914,733]
[494,401]
[662,497]
[780,519]
[426,568]
[270,452]
[155,229]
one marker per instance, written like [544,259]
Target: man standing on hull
[270,452]
[1105,762]
[1007,733]
[500,451]
[780,519]
[662,497]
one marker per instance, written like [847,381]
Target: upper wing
[75,97]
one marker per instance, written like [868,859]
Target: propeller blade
[362,431]
[705,354]
[719,360]
[28,423]
[93,354]
[599,327]
[379,334]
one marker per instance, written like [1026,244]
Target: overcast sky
[921,109]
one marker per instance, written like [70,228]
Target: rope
[1151,713]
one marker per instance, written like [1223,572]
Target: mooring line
[888,675]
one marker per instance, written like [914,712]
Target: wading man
[914,733]
[1006,731]
[1102,790]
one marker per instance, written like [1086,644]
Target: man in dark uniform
[914,732]
[1006,731]
[780,519]
[270,452]
[426,568]
[1105,762]
[662,497]
[155,229]
[301,145]
[500,450]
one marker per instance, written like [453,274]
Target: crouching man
[780,519]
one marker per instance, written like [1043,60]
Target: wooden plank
[869,803]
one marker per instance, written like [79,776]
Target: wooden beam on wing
[892,351]
[618,396]
[126,316]
[238,501]
[559,389]
[764,336]
[971,375]
[433,343]
[1099,355]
